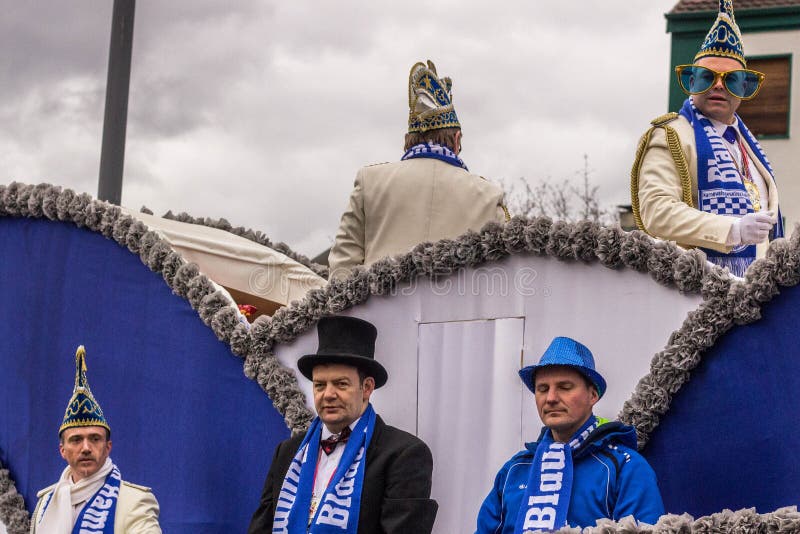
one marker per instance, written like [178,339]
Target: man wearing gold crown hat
[700,177]
[426,196]
[91,496]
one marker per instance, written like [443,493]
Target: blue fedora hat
[567,352]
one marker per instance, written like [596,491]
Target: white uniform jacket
[665,215]
[136,513]
[395,206]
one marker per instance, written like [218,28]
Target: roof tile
[689,6]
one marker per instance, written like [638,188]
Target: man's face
[339,396]
[717,103]
[564,400]
[85,449]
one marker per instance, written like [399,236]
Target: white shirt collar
[327,433]
[720,127]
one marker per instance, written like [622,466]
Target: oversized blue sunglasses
[741,83]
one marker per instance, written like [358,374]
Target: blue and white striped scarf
[97,516]
[545,505]
[720,186]
[434,151]
[340,504]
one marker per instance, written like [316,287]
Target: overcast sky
[262,111]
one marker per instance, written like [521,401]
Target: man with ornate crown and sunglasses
[700,177]
[91,496]
[582,468]
[350,472]
[427,196]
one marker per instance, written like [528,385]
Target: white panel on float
[469,410]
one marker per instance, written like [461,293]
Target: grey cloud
[261,112]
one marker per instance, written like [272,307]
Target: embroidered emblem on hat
[724,39]
[430,100]
[83,409]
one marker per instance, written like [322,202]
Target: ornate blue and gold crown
[430,102]
[83,409]
[724,39]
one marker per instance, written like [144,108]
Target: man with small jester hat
[426,196]
[582,468]
[91,496]
[350,472]
[700,177]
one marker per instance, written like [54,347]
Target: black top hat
[349,341]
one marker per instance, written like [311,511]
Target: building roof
[694,6]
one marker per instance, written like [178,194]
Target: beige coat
[137,510]
[665,215]
[395,206]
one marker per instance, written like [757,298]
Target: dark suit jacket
[395,498]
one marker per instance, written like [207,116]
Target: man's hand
[754,227]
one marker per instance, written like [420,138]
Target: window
[767,115]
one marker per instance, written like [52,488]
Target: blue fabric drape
[729,439]
[184,418]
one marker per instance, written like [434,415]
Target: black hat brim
[369,366]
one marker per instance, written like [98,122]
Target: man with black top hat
[700,177]
[91,496]
[350,472]
[582,468]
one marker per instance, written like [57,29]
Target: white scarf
[59,517]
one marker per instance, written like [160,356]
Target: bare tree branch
[560,200]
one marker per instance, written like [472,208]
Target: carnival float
[700,362]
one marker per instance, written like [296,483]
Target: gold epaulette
[374,164]
[136,486]
[664,119]
[678,157]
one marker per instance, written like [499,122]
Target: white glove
[752,228]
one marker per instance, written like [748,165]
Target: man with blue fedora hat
[582,468]
[350,472]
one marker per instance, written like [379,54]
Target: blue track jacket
[610,480]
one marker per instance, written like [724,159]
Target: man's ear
[595,395]
[368,387]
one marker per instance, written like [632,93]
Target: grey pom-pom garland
[492,241]
[514,235]
[169,268]
[661,262]
[224,322]
[120,230]
[537,234]
[13,513]
[635,250]
[558,243]
[609,244]
[63,202]
[50,202]
[199,287]
[23,193]
[584,240]
[689,270]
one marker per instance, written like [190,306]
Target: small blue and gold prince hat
[724,39]
[430,101]
[83,409]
